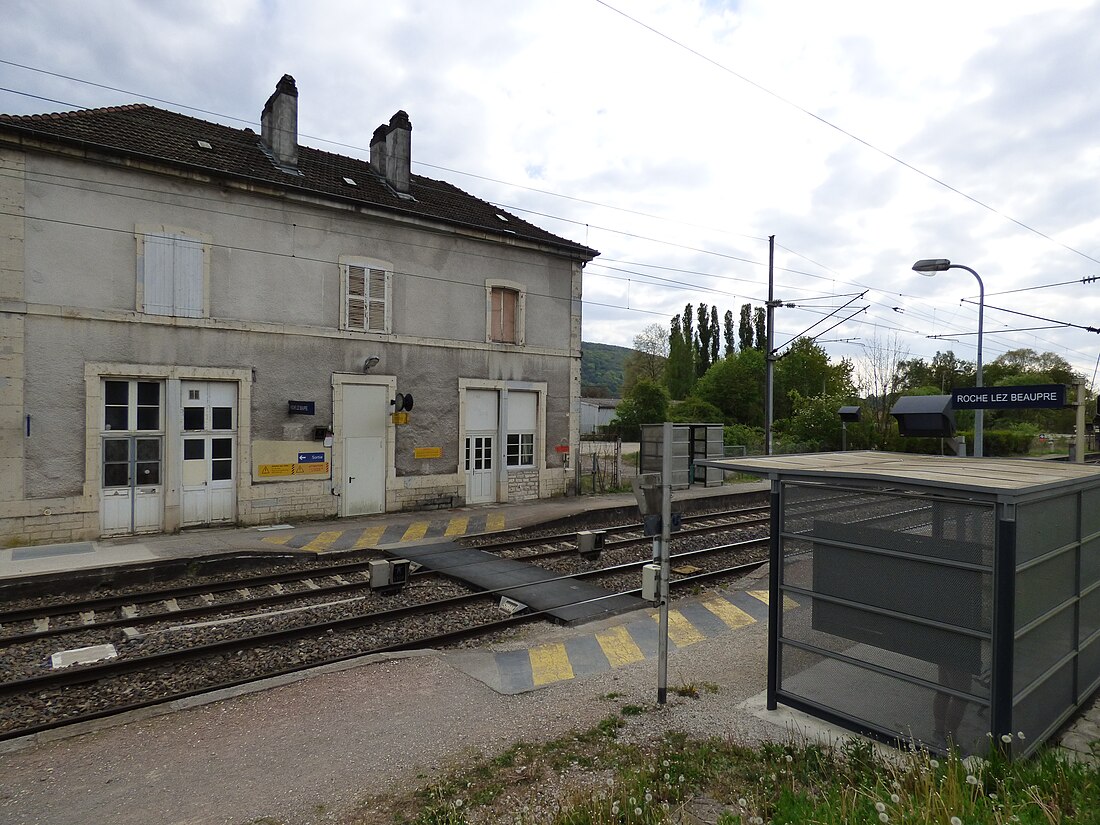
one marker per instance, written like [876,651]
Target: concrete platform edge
[164,708]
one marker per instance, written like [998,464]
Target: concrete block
[82,656]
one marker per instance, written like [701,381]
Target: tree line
[705,368]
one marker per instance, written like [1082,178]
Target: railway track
[167,643]
[170,642]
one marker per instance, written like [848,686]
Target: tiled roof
[170,137]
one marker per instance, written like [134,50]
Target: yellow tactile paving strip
[619,647]
[631,642]
[359,538]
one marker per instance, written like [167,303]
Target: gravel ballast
[310,751]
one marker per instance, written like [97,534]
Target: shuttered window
[522,426]
[173,275]
[367,304]
[504,303]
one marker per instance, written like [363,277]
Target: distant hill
[602,366]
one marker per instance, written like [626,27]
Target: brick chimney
[279,123]
[391,152]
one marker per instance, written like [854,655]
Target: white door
[131,457]
[132,498]
[209,452]
[480,478]
[482,408]
[363,415]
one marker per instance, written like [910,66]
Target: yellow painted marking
[369,537]
[549,663]
[324,541]
[279,539]
[732,615]
[619,647]
[495,521]
[680,630]
[457,526]
[416,531]
[762,595]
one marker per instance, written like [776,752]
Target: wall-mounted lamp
[370,363]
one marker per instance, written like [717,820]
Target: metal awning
[988,476]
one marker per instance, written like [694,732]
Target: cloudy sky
[675,137]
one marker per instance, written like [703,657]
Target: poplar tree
[679,368]
[760,321]
[727,332]
[715,334]
[745,330]
[702,342]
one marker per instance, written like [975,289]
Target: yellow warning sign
[427,452]
[276,470]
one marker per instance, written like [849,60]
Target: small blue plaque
[311,458]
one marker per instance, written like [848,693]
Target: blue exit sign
[311,458]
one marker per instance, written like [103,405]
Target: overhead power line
[850,135]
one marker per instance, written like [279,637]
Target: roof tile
[158,134]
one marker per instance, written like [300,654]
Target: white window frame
[185,243]
[520,446]
[368,265]
[520,441]
[520,315]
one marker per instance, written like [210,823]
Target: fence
[606,466]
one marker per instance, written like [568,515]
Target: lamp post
[929,267]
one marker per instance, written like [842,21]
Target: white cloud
[572,97]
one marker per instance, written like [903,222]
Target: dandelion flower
[934,763]
[993,796]
[1020,733]
[971,779]
[880,807]
[895,798]
[789,758]
[956,821]
[882,817]
[637,812]
[648,797]
[1006,738]
[742,801]
[664,763]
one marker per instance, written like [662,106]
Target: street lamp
[929,267]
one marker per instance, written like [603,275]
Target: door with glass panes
[131,457]
[209,452]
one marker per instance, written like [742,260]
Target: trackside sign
[1009,398]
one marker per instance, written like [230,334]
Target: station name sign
[1009,398]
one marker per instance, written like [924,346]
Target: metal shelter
[945,601]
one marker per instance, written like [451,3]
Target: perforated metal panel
[888,594]
[932,598]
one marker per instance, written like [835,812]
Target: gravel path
[308,751]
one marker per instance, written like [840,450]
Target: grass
[595,778]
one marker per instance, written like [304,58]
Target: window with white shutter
[172,274]
[366,295]
[522,426]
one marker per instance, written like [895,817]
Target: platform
[389,530]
